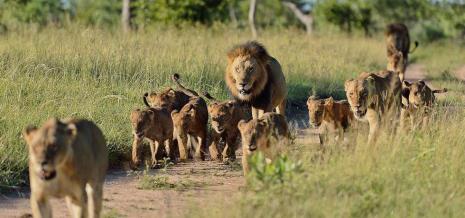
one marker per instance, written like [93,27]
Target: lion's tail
[188,92]
[414,48]
[440,91]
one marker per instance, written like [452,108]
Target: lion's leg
[200,149]
[214,148]
[255,113]
[169,146]
[230,149]
[135,151]
[245,163]
[281,109]
[78,205]
[40,207]
[94,196]
[182,144]
[374,123]
[153,150]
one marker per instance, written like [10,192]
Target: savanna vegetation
[70,59]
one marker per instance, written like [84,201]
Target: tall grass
[418,174]
[101,75]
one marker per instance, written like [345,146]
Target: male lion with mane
[67,159]
[256,78]
[375,98]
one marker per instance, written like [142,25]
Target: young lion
[170,99]
[67,159]
[154,124]
[329,116]
[265,134]
[191,122]
[224,119]
[420,100]
[375,98]
[398,48]
[256,78]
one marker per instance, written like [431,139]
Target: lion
[329,116]
[265,134]
[420,100]
[256,78]
[375,98]
[155,125]
[398,48]
[224,119]
[67,158]
[170,99]
[191,122]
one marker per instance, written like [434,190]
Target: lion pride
[398,48]
[67,159]
[255,77]
[375,98]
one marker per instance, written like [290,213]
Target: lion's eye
[351,94]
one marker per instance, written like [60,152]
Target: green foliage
[263,174]
[102,13]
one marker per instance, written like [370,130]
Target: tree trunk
[125,16]
[252,10]
[306,19]
[232,14]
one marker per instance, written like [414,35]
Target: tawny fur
[67,159]
[170,99]
[267,134]
[224,119]
[375,98]
[398,48]
[256,78]
[155,125]
[330,117]
[191,122]
[419,100]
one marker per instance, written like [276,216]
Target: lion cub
[419,100]
[67,159]
[155,125]
[265,134]
[329,116]
[191,122]
[224,119]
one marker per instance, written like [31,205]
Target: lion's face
[253,134]
[396,62]
[247,74]
[416,93]
[165,99]
[141,120]
[316,109]
[221,114]
[49,147]
[357,92]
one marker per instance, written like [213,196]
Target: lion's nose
[43,163]
[242,84]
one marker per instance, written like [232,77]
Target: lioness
[329,116]
[191,122]
[156,125]
[375,98]
[67,159]
[420,100]
[170,99]
[254,77]
[266,134]
[398,48]
[224,119]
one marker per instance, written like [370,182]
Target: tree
[126,16]
[306,19]
[252,10]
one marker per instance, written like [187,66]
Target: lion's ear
[29,133]
[405,92]
[71,130]
[329,101]
[405,83]
[347,83]
[241,124]
[174,112]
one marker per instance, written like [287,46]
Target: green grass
[154,182]
[101,76]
